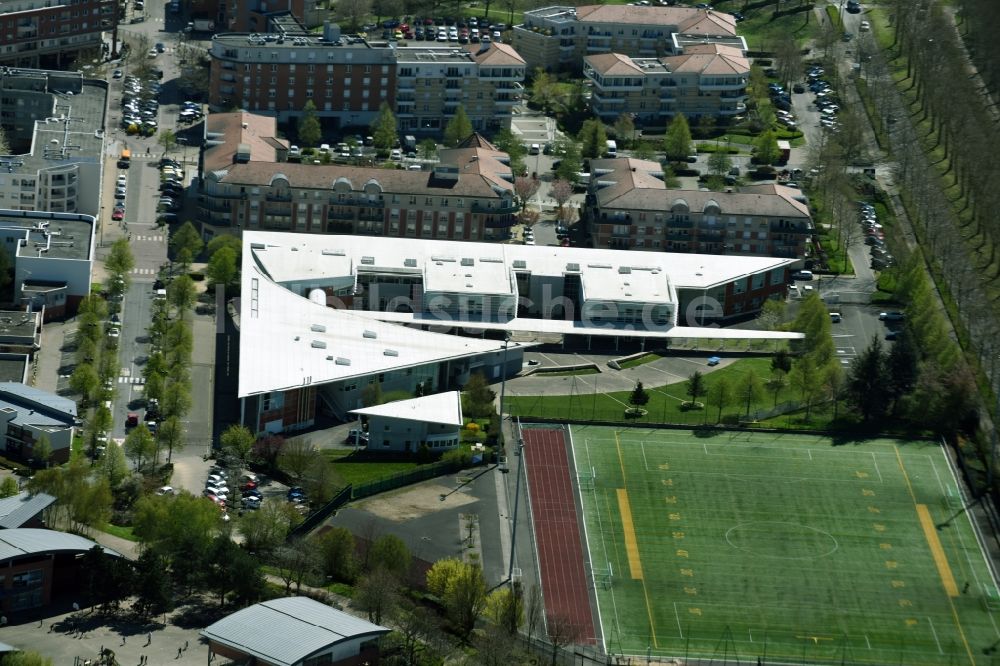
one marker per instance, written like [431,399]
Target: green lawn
[787,548]
[762,33]
[664,402]
[358,472]
[121,532]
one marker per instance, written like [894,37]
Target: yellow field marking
[944,571]
[630,540]
[937,552]
[631,544]
[815,639]
[906,477]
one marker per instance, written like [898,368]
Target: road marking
[131,380]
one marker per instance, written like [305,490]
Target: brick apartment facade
[559,37]
[468,196]
[629,207]
[349,78]
[49,34]
[708,79]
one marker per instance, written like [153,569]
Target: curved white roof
[23,541]
[287,631]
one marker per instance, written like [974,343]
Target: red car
[249,485]
[118,214]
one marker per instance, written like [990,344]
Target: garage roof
[29,541]
[286,631]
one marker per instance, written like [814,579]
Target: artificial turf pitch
[741,546]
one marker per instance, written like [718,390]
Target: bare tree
[562,631]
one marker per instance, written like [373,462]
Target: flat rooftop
[627,284]
[51,235]
[17,327]
[488,275]
[74,130]
[290,257]
[13,367]
[434,54]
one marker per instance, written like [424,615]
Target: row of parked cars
[171,188]
[217,489]
[874,236]
[140,107]
[826,99]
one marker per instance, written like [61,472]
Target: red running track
[557,531]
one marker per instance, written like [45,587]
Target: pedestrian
[185,646]
[123,639]
[149,638]
[179,650]
[966,588]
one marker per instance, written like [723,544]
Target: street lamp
[517,497]
[503,374]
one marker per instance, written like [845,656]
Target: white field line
[877,470]
[586,535]
[934,633]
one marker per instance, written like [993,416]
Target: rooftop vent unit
[334,253]
[410,263]
[343,361]
[318,344]
[598,265]
[368,261]
[468,261]
[624,270]
[390,352]
[492,260]
[318,328]
[371,335]
[520,263]
[573,267]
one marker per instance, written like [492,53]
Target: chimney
[483,47]
[331,31]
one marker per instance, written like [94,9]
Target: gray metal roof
[36,407]
[287,631]
[18,509]
[28,541]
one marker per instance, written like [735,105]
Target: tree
[387,8]
[336,553]
[294,562]
[225,240]
[765,149]
[268,527]
[120,260]
[807,381]
[113,466]
[458,129]
[525,188]
[84,381]
[719,162]
[719,395]
[440,575]
[593,139]
[750,390]
[781,362]
[414,624]
[237,441]
[465,597]
[186,243]
[41,451]
[570,161]
[384,130]
[152,585]
[28,658]
[638,398]
[352,14]
[670,179]
[376,594]
[222,268]
[139,445]
[309,131]
[181,293]
[695,387]
[677,141]
[297,457]
[390,554]
[562,632]
[176,400]
[901,367]
[561,190]
[428,149]
[170,434]
[625,128]
[505,608]
[8,488]
[868,383]
[478,397]
[168,139]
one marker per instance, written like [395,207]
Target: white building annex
[323,317]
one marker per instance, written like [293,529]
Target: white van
[835,317]
[611,149]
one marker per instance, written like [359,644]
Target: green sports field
[782,547]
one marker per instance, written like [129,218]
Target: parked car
[891,316]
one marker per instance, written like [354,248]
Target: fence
[321,514]
[401,479]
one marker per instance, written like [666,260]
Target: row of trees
[956,226]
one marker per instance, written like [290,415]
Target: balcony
[216,205]
[229,78]
[371,216]
[607,101]
[340,215]
[499,222]
[366,203]
[733,110]
[278,197]
[228,65]
[721,85]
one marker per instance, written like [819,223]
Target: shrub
[460,455]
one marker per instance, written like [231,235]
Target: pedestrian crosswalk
[143,271]
[138,381]
[155,238]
